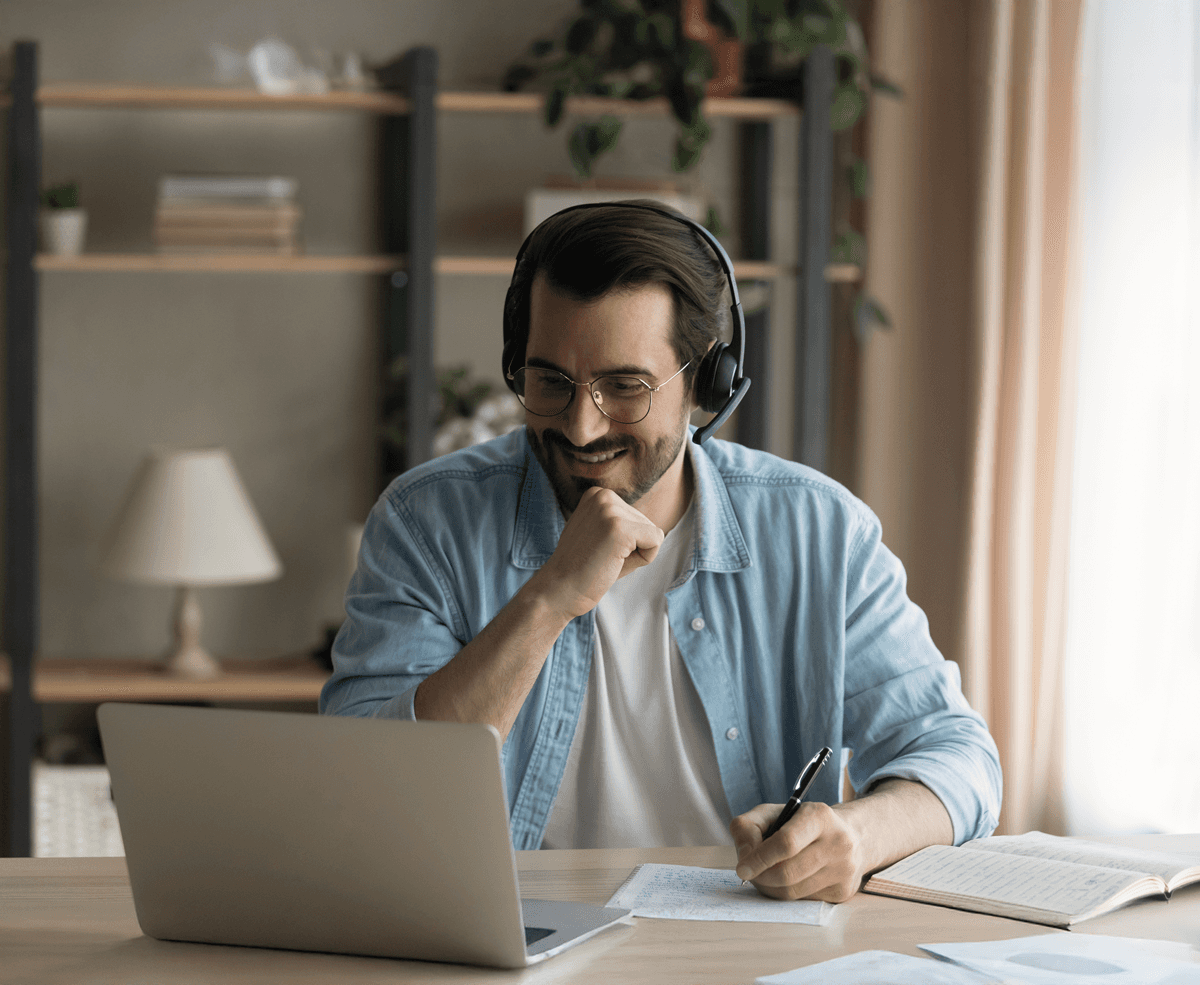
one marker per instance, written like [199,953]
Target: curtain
[966,450]
[1024,343]
[1133,626]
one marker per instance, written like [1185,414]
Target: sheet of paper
[1044,884]
[1077,959]
[685,892]
[879,968]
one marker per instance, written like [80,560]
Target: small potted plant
[63,222]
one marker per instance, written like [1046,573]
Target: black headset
[720,385]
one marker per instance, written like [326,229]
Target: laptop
[315,833]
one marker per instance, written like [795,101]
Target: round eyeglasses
[548,393]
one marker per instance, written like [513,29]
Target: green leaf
[858,173]
[690,142]
[580,34]
[581,158]
[589,140]
[868,315]
[698,66]
[517,75]
[886,86]
[685,155]
[848,105]
[662,32]
[849,247]
[542,47]
[65,196]
[605,133]
[732,16]
[555,102]
[712,222]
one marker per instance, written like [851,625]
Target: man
[662,632]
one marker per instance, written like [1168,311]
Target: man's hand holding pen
[815,851]
[817,854]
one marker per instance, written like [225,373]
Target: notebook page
[1043,884]
[685,892]
[1039,845]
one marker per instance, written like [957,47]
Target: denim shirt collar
[720,545]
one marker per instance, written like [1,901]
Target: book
[1035,877]
[220,212]
[228,186]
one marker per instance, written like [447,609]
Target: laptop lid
[356,836]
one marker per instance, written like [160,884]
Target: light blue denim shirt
[792,620]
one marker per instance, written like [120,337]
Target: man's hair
[587,253]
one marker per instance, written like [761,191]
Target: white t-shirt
[642,771]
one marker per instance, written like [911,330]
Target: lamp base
[188,658]
[193,662]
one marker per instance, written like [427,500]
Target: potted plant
[63,222]
[645,49]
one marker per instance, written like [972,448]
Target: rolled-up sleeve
[905,714]
[398,627]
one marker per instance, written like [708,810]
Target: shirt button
[697,624]
[732,733]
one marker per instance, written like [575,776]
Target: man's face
[625,333]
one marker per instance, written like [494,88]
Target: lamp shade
[187,520]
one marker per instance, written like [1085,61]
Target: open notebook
[1036,877]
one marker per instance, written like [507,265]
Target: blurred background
[1026,424]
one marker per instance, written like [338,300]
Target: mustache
[601,446]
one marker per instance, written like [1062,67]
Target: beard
[648,463]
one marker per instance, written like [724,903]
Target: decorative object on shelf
[187,521]
[560,193]
[248,214]
[468,412]
[63,222]
[278,71]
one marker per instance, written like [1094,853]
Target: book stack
[226,214]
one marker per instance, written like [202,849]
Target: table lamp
[187,521]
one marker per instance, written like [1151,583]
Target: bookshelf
[407,126]
[92,680]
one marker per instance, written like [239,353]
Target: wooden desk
[72,920]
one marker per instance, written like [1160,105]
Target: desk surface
[71,920]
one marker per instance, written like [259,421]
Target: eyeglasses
[548,393]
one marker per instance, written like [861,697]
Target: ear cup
[714,379]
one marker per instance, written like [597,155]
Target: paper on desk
[685,892]
[879,968]
[1078,959]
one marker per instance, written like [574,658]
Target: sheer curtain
[1132,664]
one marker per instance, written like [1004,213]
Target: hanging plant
[639,50]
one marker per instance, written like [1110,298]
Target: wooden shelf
[503,266]
[220,262]
[84,680]
[80,95]
[85,95]
[532,102]
[488,266]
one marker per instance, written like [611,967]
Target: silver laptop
[355,836]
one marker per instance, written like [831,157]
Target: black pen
[802,784]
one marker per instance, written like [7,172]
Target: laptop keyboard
[535,934]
